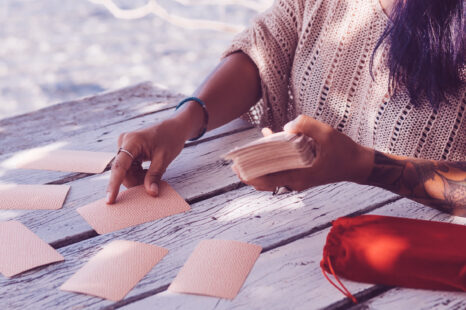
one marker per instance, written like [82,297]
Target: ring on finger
[126,152]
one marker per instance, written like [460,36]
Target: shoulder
[296,11]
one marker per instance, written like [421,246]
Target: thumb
[308,126]
[153,176]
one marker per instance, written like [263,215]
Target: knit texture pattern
[313,58]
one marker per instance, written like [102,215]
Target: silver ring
[126,152]
[279,190]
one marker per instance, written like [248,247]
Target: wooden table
[291,228]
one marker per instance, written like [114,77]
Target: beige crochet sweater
[313,58]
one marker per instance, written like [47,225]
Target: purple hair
[426,49]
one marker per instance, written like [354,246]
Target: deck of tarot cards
[273,153]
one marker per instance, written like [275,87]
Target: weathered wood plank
[289,277]
[242,214]
[101,139]
[73,117]
[411,209]
[198,171]
[402,298]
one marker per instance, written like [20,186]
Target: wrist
[192,119]
[188,120]
[364,164]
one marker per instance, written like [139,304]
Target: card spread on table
[21,249]
[32,197]
[216,268]
[67,161]
[115,270]
[133,207]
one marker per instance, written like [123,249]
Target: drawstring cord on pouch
[344,291]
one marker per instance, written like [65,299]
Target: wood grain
[197,172]
[289,277]
[73,117]
[101,139]
[243,214]
[403,298]
[291,228]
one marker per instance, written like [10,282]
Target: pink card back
[115,270]
[21,249]
[216,268]
[133,207]
[68,161]
[32,197]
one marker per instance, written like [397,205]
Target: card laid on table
[216,268]
[133,207]
[115,270]
[32,197]
[66,161]
[21,249]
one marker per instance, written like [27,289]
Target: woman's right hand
[159,144]
[229,91]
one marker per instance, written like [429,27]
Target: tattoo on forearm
[439,184]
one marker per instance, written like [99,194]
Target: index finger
[120,166]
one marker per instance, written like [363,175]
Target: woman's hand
[338,159]
[159,144]
[439,184]
[229,91]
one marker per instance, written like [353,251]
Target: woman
[378,85]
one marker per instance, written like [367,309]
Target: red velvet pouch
[396,251]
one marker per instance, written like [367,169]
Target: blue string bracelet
[204,109]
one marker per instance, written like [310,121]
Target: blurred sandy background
[57,50]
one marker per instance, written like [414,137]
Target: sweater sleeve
[271,42]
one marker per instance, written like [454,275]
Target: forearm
[230,90]
[439,184]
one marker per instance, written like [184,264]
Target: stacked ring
[126,152]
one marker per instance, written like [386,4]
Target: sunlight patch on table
[30,155]
[6,215]
[27,156]
[72,127]
[258,204]
[151,107]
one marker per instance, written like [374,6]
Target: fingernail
[288,126]
[154,188]
[266,131]
[108,197]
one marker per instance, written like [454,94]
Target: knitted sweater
[313,59]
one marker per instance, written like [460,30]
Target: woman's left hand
[338,159]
